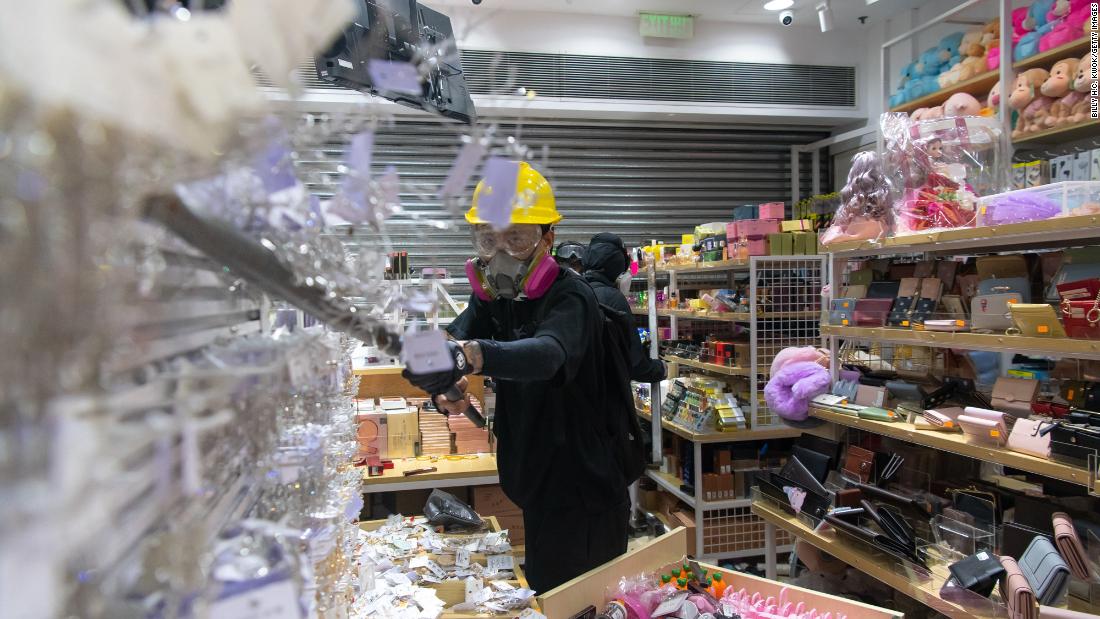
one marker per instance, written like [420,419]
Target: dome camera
[476,1]
[786,17]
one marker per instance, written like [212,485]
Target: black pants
[563,544]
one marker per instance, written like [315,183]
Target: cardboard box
[772,210]
[1094,164]
[403,432]
[758,246]
[513,523]
[1061,168]
[373,435]
[1082,163]
[780,244]
[687,520]
[753,228]
[805,243]
[491,501]
[795,225]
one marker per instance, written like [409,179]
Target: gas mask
[509,265]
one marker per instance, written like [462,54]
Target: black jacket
[604,261]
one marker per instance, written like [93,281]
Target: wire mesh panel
[786,313]
[736,530]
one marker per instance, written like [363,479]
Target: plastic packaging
[939,168]
[864,213]
[444,509]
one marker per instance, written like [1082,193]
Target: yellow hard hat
[533,204]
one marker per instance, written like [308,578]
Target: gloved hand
[436,383]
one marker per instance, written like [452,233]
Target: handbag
[841,310]
[871,312]
[979,573]
[1078,263]
[1036,320]
[1074,444]
[990,311]
[1017,592]
[1028,436]
[1018,285]
[1081,318]
[1045,570]
[994,267]
[908,290]
[983,430]
[1014,395]
[1069,545]
[1080,290]
[943,419]
[867,395]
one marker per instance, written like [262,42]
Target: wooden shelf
[711,367]
[1045,60]
[671,484]
[382,370]
[733,436]
[1068,133]
[479,471]
[707,267]
[958,443]
[1042,346]
[725,316]
[978,86]
[881,567]
[1058,232]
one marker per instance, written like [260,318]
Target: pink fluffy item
[790,390]
[794,354]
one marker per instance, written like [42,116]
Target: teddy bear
[1082,85]
[961,104]
[972,63]
[1026,100]
[948,50]
[993,53]
[1036,24]
[901,95]
[1068,19]
[1059,86]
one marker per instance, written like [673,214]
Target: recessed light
[778,5]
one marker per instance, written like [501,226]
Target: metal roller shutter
[637,179]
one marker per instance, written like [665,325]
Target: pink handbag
[943,418]
[1069,546]
[1027,437]
[1015,395]
[1017,592]
[983,429]
[872,312]
[984,413]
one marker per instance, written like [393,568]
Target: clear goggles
[518,240]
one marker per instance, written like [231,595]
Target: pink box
[758,246]
[753,228]
[731,231]
[771,210]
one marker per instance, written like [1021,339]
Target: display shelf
[1058,135]
[1073,49]
[379,370]
[978,86]
[882,567]
[479,471]
[1041,346]
[957,443]
[672,485]
[725,316]
[710,367]
[744,554]
[732,436]
[1027,235]
[707,267]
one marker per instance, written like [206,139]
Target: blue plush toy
[901,95]
[1037,25]
[949,51]
[928,63]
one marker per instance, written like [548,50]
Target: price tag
[462,558]
[425,352]
[500,563]
[401,77]
[474,588]
[278,600]
[498,195]
[1044,329]
[435,569]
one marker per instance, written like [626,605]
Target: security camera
[786,17]
[476,1]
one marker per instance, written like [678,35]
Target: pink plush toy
[1082,85]
[798,375]
[961,104]
[1026,100]
[1060,86]
[993,55]
[1069,17]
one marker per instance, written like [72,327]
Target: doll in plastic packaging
[864,211]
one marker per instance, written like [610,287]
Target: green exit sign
[667,26]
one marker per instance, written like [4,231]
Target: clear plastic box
[1065,199]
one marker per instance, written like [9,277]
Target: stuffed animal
[1082,85]
[993,53]
[798,375]
[992,101]
[971,64]
[1026,100]
[1068,19]
[934,113]
[991,37]
[901,95]
[1037,25]
[1059,86]
[961,104]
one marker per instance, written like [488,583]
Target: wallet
[952,325]
[993,267]
[797,472]
[866,395]
[943,419]
[841,310]
[903,391]
[849,497]
[1045,570]
[1012,285]
[900,312]
[875,413]
[855,291]
[1017,592]
[818,464]
[860,462]
[883,290]
[990,311]
[1036,320]
[979,573]
[872,312]
[776,487]
[1028,436]
[1069,545]
[1015,395]
[909,287]
[984,430]
[1081,319]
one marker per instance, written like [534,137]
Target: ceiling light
[778,5]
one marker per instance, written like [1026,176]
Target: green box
[805,243]
[781,244]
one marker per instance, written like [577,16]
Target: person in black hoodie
[605,269]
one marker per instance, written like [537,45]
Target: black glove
[436,383]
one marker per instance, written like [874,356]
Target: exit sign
[666,26]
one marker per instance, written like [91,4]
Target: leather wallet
[849,497]
[903,391]
[1081,319]
[840,312]
[990,311]
[872,312]
[983,430]
[979,572]
[1069,545]
[931,288]
[993,267]
[867,395]
[943,419]
[1015,395]
[875,413]
[1011,285]
[1080,290]
[860,462]
[950,325]
[923,309]
[1028,437]
[883,290]
[900,312]
[909,287]
[1017,592]
[1045,570]
[797,472]
[818,464]
[1036,320]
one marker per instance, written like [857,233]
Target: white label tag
[462,169]
[344,63]
[499,192]
[500,563]
[982,556]
[531,613]
[425,352]
[435,569]
[275,601]
[462,558]
[474,587]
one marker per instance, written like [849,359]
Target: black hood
[606,255]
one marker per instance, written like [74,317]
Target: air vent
[648,79]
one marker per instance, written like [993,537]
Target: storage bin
[1063,199]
